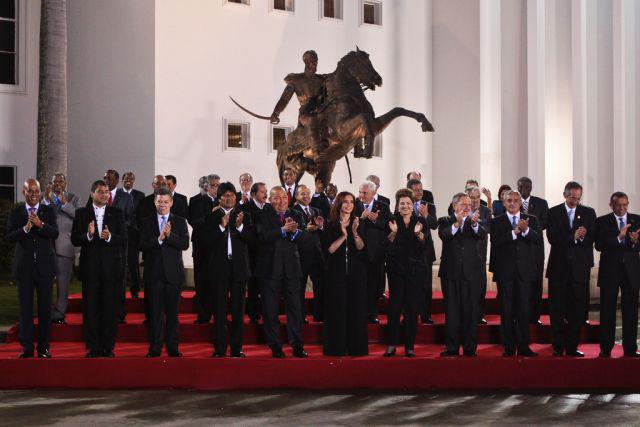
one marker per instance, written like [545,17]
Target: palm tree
[52,102]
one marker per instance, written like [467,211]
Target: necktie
[366,208]
[110,199]
[525,205]
[33,210]
[621,226]
[514,223]
[306,211]
[289,196]
[163,223]
[570,213]
[282,217]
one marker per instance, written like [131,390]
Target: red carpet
[196,370]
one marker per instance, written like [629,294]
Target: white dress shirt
[455,229]
[513,233]
[258,204]
[27,207]
[99,214]
[624,221]
[229,246]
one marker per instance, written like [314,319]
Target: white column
[536,93]
[490,94]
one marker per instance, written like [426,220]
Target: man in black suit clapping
[515,236]
[278,266]
[32,226]
[570,231]
[162,239]
[617,240]
[100,231]
[180,204]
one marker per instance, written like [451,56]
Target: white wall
[206,51]
[19,111]
[111,90]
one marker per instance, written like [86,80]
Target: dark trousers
[203,298]
[405,294]
[133,260]
[535,296]
[375,280]
[567,301]
[483,291]
[254,303]
[514,314]
[31,281]
[271,290]
[461,315]
[164,300]
[99,300]
[225,288]
[121,287]
[316,273]
[427,293]
[629,306]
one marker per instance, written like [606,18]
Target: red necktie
[289,195]
[282,217]
[110,199]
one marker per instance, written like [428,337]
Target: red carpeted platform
[197,370]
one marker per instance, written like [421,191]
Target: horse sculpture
[343,121]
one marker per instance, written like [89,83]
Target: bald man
[32,227]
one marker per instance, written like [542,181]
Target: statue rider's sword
[257,116]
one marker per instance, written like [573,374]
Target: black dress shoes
[135,295]
[558,353]
[634,354]
[26,354]
[300,353]
[509,353]
[238,355]
[448,353]
[576,353]
[409,353]
[604,353]
[44,353]
[152,354]
[391,351]
[536,322]
[92,354]
[218,354]
[482,321]
[109,353]
[200,322]
[469,354]
[527,352]
[427,321]
[277,354]
[175,354]
[59,322]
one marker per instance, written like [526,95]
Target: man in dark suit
[254,208]
[617,241]
[279,268]
[535,206]
[311,256]
[460,270]
[180,204]
[100,232]
[32,226]
[162,239]
[290,185]
[471,183]
[570,231]
[320,200]
[427,210]
[200,206]
[244,195]
[376,180]
[484,218]
[133,236]
[225,239]
[374,216]
[514,239]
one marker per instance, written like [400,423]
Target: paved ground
[182,408]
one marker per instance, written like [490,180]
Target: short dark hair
[618,195]
[114,172]
[525,179]
[97,183]
[404,192]
[224,187]
[413,182]
[171,177]
[163,191]
[255,187]
[571,185]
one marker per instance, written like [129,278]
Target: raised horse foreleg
[381,122]
[356,128]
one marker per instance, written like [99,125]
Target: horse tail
[346,157]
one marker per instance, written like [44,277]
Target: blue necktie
[514,224]
[621,226]
[164,222]
[570,214]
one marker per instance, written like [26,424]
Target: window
[8,183]
[236,135]
[279,136]
[283,5]
[331,9]
[371,12]
[8,42]
[244,2]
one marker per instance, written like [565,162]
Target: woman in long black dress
[345,322]
[406,270]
